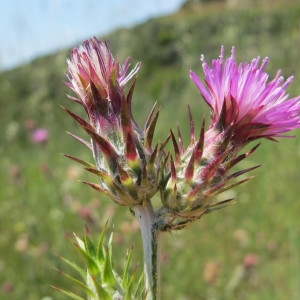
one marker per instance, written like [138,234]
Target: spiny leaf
[220,205]
[69,294]
[71,97]
[129,288]
[82,141]
[125,279]
[140,291]
[75,267]
[176,148]
[108,275]
[128,282]
[164,144]
[150,131]
[193,193]
[79,241]
[189,171]
[106,283]
[100,248]
[129,95]
[192,127]
[106,148]
[112,183]
[89,245]
[84,124]
[90,262]
[102,174]
[96,187]
[147,124]
[198,150]
[228,187]
[77,282]
[239,158]
[125,118]
[129,101]
[131,153]
[101,292]
[174,191]
[236,174]
[152,158]
[79,161]
[173,170]
[180,141]
[227,138]
[209,171]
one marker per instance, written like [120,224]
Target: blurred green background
[248,251]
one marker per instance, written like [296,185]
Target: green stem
[145,216]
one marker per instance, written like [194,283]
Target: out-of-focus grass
[42,202]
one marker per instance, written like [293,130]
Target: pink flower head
[98,80]
[244,102]
[39,136]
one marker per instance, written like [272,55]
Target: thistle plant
[245,107]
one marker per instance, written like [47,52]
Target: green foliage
[100,280]
[41,200]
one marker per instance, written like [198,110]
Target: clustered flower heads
[245,106]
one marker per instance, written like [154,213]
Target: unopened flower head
[196,175]
[244,102]
[126,162]
[99,81]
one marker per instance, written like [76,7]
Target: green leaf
[125,279]
[79,283]
[129,287]
[79,241]
[75,267]
[91,264]
[69,294]
[100,248]
[90,246]
[108,275]
[140,292]
[101,281]
[101,292]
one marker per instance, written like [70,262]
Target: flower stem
[150,236]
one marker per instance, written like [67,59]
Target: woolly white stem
[145,216]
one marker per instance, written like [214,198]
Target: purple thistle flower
[243,101]
[244,107]
[126,162]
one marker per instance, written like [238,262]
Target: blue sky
[30,28]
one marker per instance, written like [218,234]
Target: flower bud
[126,163]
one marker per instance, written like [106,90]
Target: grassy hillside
[41,201]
